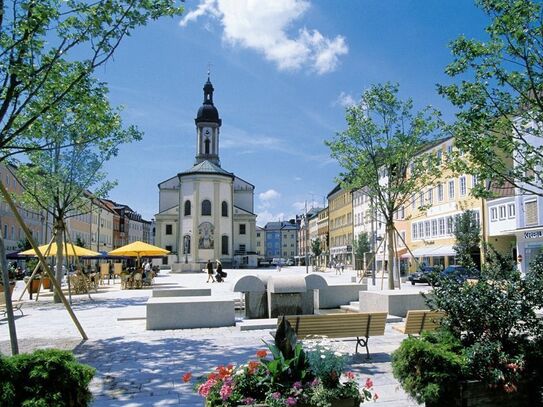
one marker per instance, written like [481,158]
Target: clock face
[206,131]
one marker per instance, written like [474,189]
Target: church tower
[208,124]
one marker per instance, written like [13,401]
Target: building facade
[340,224]
[206,212]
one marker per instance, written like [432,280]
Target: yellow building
[323,234]
[429,219]
[340,225]
[260,241]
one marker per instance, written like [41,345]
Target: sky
[283,73]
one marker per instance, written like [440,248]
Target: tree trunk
[390,247]
[60,256]
[7,296]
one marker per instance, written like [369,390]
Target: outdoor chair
[138,280]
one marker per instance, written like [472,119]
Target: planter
[46,281]
[478,394]
[11,287]
[335,403]
[34,286]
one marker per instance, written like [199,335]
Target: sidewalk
[136,367]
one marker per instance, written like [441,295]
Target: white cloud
[269,195]
[266,216]
[263,27]
[298,206]
[297,179]
[345,100]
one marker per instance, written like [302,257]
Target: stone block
[394,302]
[336,295]
[249,284]
[189,312]
[256,305]
[287,285]
[182,292]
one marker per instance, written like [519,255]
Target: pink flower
[315,382]
[276,395]
[291,401]
[297,385]
[205,388]
[350,375]
[226,391]
[249,400]
[369,383]
[375,397]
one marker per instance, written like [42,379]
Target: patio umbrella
[69,250]
[139,249]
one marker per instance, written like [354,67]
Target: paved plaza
[136,367]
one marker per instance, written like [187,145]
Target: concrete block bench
[336,295]
[182,292]
[393,302]
[189,312]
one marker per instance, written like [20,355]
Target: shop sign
[533,235]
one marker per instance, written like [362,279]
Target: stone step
[254,324]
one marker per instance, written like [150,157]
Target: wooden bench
[417,321]
[359,325]
[15,305]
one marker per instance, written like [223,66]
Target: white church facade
[206,213]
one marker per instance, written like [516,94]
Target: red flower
[253,365]
[187,377]
[262,353]
[369,383]
[225,371]
[350,375]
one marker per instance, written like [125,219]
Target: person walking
[209,266]
[220,274]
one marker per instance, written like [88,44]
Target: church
[205,212]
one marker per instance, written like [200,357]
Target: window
[450,225]
[187,208]
[441,226]
[224,209]
[169,229]
[439,155]
[449,149]
[430,196]
[427,230]
[530,213]
[463,188]
[493,214]
[451,189]
[206,207]
[224,244]
[421,200]
[440,192]
[413,201]
[434,227]
[242,248]
[474,181]
[421,230]
[242,229]
[414,231]
[502,211]
[511,211]
[257,244]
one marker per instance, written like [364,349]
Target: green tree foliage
[381,151]
[80,242]
[467,233]
[316,248]
[82,137]
[361,245]
[39,37]
[500,96]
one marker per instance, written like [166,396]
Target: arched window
[186,244]
[224,209]
[206,143]
[206,207]
[187,208]
[224,244]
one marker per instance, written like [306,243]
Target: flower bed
[288,374]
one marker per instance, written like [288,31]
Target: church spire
[208,124]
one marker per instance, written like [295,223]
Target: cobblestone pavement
[136,367]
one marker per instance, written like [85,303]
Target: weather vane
[208,70]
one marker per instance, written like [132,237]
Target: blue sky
[283,71]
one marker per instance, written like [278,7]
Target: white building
[366,220]
[206,212]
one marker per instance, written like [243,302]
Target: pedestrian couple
[220,274]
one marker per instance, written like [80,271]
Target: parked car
[459,273]
[422,275]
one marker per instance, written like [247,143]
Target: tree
[500,97]
[82,137]
[381,150]
[37,38]
[316,248]
[361,245]
[467,233]
[80,242]
[23,244]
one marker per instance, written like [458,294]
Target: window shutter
[530,213]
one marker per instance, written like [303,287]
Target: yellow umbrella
[69,250]
[138,249]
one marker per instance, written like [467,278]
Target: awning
[431,251]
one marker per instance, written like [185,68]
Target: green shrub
[44,378]
[429,366]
